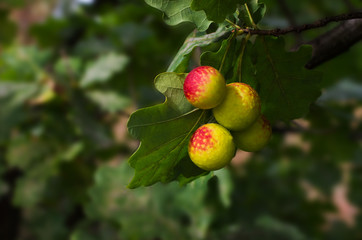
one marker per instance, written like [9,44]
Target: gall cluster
[237,110]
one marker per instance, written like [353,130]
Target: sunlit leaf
[180,61]
[164,131]
[103,69]
[180,11]
[109,101]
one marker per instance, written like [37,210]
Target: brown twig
[334,42]
[301,28]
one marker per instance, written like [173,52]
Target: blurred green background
[71,72]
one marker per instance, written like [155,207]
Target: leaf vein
[165,121]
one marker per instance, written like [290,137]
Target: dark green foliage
[173,122]
[285,88]
[216,10]
[8,28]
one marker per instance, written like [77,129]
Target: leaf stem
[233,24]
[226,51]
[241,55]
[250,17]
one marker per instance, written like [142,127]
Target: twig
[334,42]
[301,28]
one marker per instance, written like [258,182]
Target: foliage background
[71,72]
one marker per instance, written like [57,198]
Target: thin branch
[301,28]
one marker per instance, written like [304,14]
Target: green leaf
[103,69]
[85,120]
[216,10]
[285,87]
[177,11]
[13,110]
[228,51]
[256,9]
[334,141]
[48,222]
[276,226]
[324,175]
[14,3]
[29,191]
[24,152]
[164,131]
[78,234]
[68,67]
[180,61]
[72,151]
[8,29]
[31,188]
[188,171]
[23,64]
[132,34]
[110,201]
[109,101]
